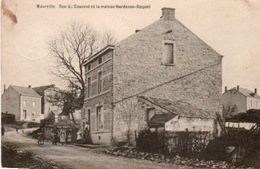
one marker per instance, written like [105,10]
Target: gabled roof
[161,118]
[180,108]
[40,89]
[25,91]
[246,92]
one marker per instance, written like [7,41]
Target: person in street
[41,136]
[62,136]
[16,128]
[54,135]
[2,130]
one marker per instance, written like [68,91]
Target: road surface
[74,157]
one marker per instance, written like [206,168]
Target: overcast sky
[231,27]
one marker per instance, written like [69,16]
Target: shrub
[152,142]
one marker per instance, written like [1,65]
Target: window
[89,86]
[168,53]
[99,82]
[33,119]
[100,60]
[24,103]
[83,114]
[25,114]
[33,104]
[99,118]
[89,116]
[256,104]
[89,67]
[150,112]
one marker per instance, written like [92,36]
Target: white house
[23,102]
[238,100]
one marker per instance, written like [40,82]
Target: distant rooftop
[246,92]
[25,91]
[41,89]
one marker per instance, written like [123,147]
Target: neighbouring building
[23,102]
[239,100]
[48,93]
[164,60]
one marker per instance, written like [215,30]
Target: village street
[76,157]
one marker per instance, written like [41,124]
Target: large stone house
[238,100]
[164,60]
[23,102]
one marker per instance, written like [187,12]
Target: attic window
[168,53]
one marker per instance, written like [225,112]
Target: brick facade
[95,99]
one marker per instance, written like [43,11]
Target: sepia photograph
[130,84]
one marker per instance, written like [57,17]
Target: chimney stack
[4,87]
[237,87]
[29,86]
[168,13]
[255,90]
[137,30]
[225,88]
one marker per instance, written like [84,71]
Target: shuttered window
[89,86]
[99,82]
[99,118]
[169,53]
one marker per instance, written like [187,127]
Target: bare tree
[71,49]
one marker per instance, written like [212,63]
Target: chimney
[168,13]
[137,30]
[237,87]
[29,86]
[225,88]
[4,87]
[255,90]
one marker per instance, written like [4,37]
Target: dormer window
[168,58]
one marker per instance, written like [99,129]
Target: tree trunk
[72,116]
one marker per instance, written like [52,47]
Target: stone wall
[137,62]
[195,77]
[200,89]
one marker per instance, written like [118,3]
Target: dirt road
[80,158]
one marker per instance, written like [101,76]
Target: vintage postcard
[130,84]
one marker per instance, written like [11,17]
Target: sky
[231,27]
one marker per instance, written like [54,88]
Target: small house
[176,116]
[23,102]
[238,100]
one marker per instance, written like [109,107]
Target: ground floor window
[99,117]
[25,114]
